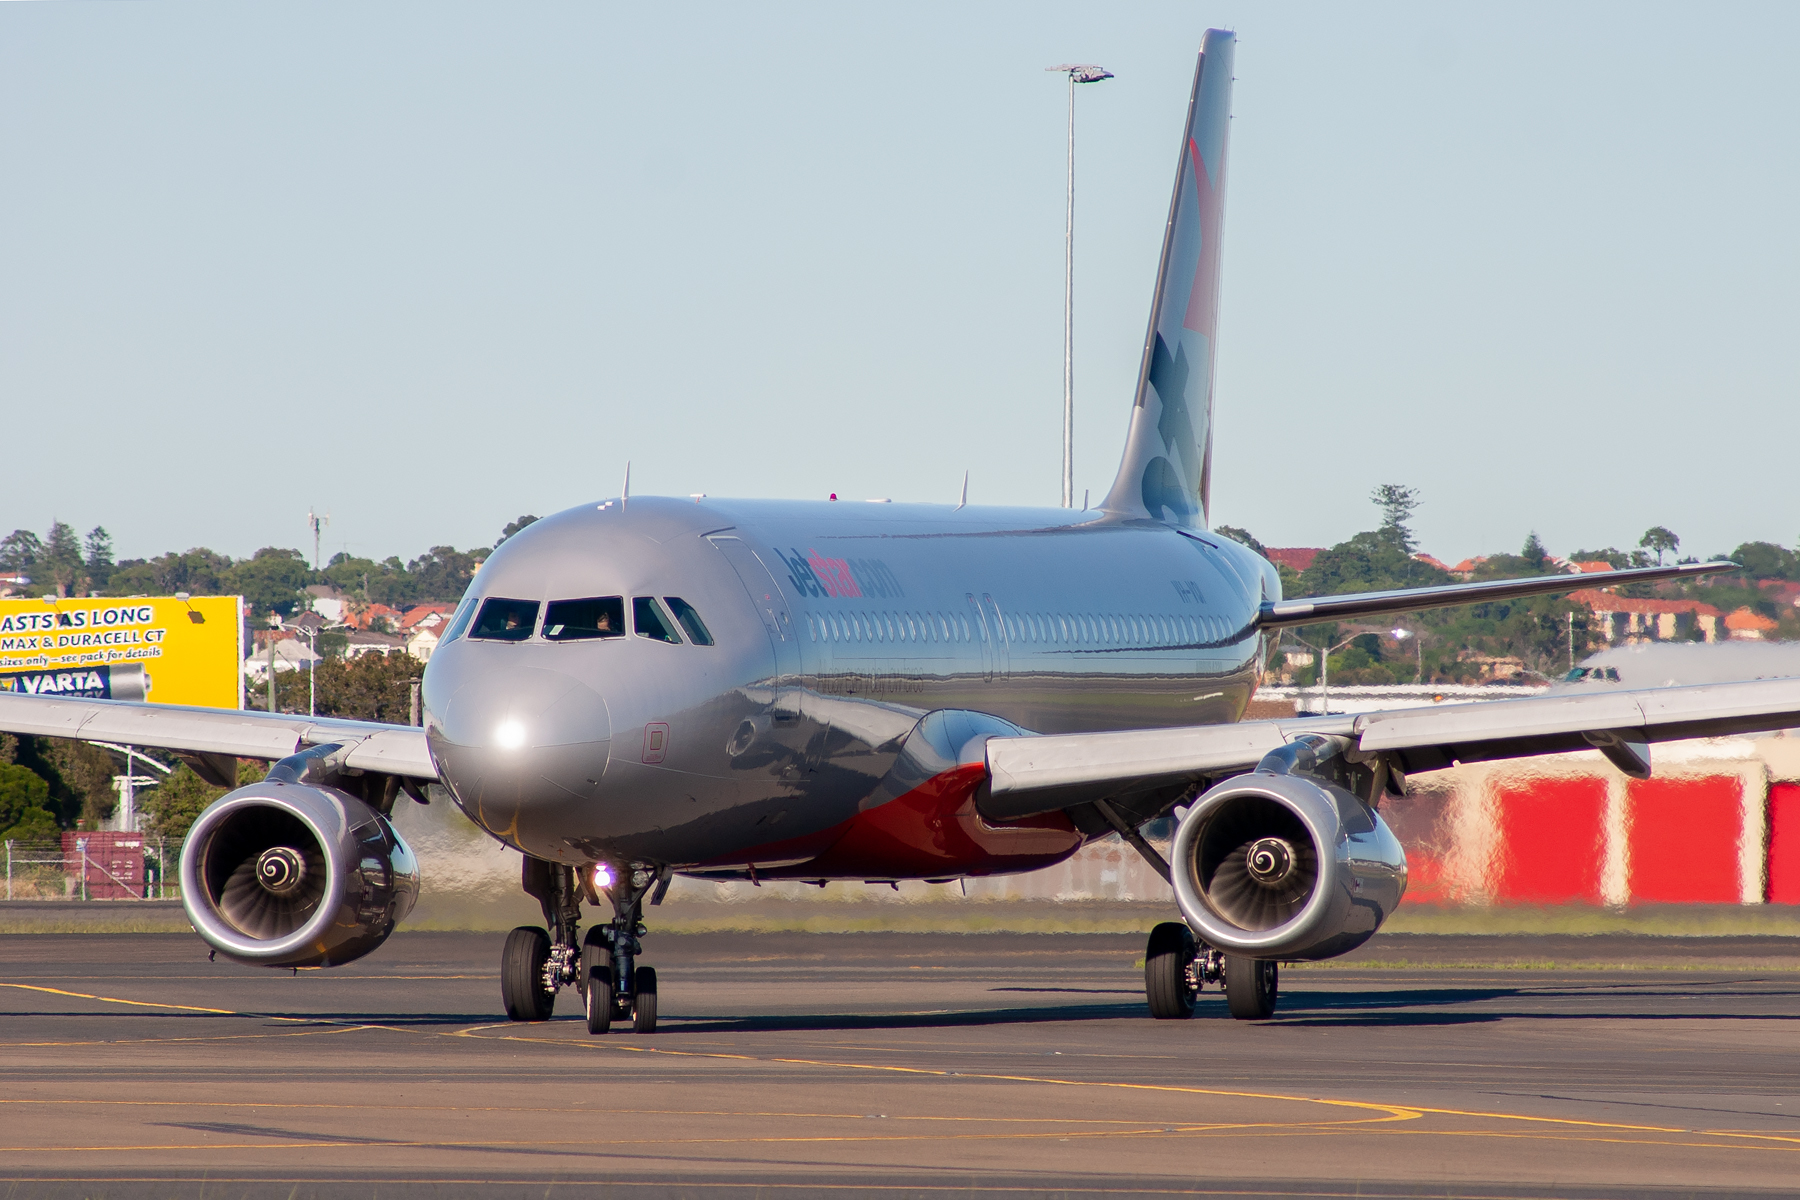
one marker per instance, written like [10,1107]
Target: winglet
[1166,472]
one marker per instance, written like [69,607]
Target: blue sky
[432,265]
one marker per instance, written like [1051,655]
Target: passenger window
[581,620]
[690,620]
[503,620]
[648,619]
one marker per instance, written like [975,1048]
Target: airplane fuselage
[797,744]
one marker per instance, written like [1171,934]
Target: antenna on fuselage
[625,488]
[964,502]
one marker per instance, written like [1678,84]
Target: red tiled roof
[1296,557]
[1589,568]
[1748,618]
[1430,561]
[419,612]
[1601,601]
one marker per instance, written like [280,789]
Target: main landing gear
[1176,967]
[603,968]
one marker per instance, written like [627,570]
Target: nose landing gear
[603,968]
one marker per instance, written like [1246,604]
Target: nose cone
[523,749]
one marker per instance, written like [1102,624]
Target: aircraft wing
[1031,775]
[207,738]
[1282,614]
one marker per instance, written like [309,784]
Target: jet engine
[292,874]
[1286,862]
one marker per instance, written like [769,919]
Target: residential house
[1626,619]
[1748,625]
[359,642]
[291,654]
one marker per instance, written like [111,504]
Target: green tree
[171,808]
[1397,504]
[443,574]
[19,551]
[1659,540]
[99,563]
[1766,560]
[1612,556]
[513,527]
[1242,537]
[60,563]
[370,687]
[24,804]
[200,571]
[271,580]
[1371,561]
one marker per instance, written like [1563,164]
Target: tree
[1534,554]
[200,571]
[19,551]
[271,580]
[1766,560]
[1242,537]
[172,807]
[443,574]
[370,687]
[1397,504]
[60,562]
[513,527]
[1659,539]
[1370,561]
[24,804]
[99,563]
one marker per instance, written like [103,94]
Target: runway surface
[898,1065]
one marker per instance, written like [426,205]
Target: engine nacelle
[1272,865]
[295,875]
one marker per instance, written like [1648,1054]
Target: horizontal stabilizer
[1284,614]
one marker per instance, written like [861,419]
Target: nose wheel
[537,963]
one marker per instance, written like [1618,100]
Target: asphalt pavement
[929,1065]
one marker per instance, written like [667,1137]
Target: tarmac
[893,1064]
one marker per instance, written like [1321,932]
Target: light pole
[1325,654]
[1077,73]
[312,645]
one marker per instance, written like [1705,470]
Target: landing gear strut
[615,986]
[536,964]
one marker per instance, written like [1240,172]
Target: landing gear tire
[522,975]
[1252,985]
[597,983]
[1166,961]
[599,999]
[643,1008]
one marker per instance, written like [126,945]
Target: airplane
[641,687]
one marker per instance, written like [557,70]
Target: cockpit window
[503,620]
[576,620]
[460,621]
[690,620]
[648,619]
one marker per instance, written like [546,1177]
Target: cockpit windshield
[580,620]
[503,620]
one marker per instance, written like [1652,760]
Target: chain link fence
[93,866]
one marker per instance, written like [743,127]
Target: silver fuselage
[797,745]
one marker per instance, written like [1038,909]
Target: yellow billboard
[157,648]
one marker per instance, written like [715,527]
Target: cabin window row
[1054,629]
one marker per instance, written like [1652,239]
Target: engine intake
[283,874]
[1286,866]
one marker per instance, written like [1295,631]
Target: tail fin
[1166,473]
